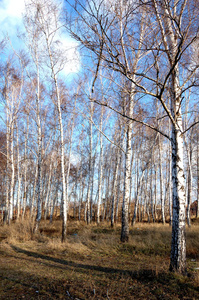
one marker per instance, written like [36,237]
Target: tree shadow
[70,263]
[165,281]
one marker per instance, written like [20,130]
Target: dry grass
[93,264]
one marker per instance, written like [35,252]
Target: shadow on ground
[139,284]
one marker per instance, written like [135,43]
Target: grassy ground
[93,264]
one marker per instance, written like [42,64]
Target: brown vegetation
[93,264]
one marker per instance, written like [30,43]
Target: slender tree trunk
[118,188]
[197,209]
[81,194]
[39,152]
[107,174]
[11,202]
[137,198]
[53,201]
[170,181]
[48,190]
[114,189]
[92,186]
[69,156]
[151,189]
[32,202]
[189,186]
[127,173]
[100,171]
[65,202]
[161,181]
[88,202]
[25,169]
[6,212]
[18,177]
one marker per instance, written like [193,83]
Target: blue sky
[11,23]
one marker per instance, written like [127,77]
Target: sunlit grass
[93,263]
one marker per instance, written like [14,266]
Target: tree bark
[178,244]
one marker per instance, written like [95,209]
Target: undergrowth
[93,263]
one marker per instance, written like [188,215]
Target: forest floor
[93,263]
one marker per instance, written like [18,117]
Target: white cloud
[11,20]
[14,8]
[11,15]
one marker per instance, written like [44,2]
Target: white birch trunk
[39,152]
[139,190]
[155,195]
[48,190]
[32,203]
[161,181]
[127,174]
[18,177]
[53,201]
[69,155]
[100,171]
[25,169]
[114,189]
[88,204]
[92,186]
[65,203]
[118,187]
[7,165]
[189,183]
[81,193]
[197,209]
[170,181]
[170,42]
[152,194]
[178,246]
[128,154]
[11,202]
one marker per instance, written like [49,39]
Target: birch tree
[49,23]
[34,43]
[171,31]
[104,33]
[11,93]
